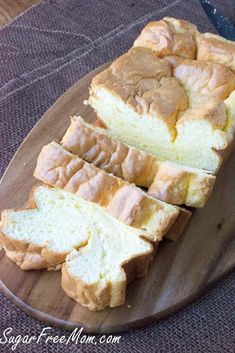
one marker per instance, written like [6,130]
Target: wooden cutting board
[180,272]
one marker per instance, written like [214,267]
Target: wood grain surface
[9,9]
[180,271]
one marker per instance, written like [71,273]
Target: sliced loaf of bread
[103,254]
[129,204]
[167,181]
[178,109]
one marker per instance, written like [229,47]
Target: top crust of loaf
[171,36]
[145,83]
[212,47]
[168,116]
[166,88]
[153,86]
[202,81]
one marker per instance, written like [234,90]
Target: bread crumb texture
[100,253]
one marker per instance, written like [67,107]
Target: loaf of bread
[167,109]
[169,182]
[102,254]
[129,204]
[177,109]
[171,36]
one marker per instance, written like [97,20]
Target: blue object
[220,22]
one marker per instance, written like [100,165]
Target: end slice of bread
[103,254]
[167,181]
[42,235]
[129,204]
[96,275]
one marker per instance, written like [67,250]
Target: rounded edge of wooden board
[68,325]
[103,328]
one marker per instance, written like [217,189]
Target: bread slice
[169,182]
[171,107]
[103,253]
[43,234]
[129,204]
[97,275]
[171,36]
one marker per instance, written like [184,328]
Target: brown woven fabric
[43,52]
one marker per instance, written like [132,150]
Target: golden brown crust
[181,186]
[166,181]
[59,168]
[27,261]
[211,47]
[204,86]
[99,123]
[168,88]
[94,146]
[169,36]
[145,83]
[203,79]
[212,111]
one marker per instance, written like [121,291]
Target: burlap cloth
[42,53]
